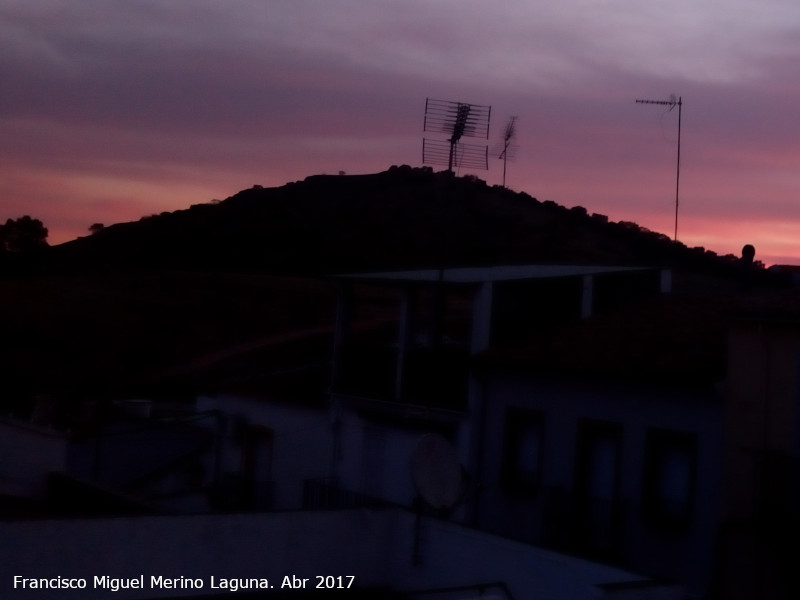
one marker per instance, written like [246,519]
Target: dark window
[670,464]
[524,443]
[778,477]
[598,514]
[257,453]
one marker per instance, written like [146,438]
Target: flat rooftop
[485,274]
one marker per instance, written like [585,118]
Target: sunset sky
[112,110]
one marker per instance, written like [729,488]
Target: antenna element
[509,134]
[672,103]
[456,119]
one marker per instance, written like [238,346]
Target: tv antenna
[456,119]
[509,134]
[672,103]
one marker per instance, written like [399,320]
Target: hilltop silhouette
[110,312]
[401,218]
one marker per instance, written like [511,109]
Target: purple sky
[114,110]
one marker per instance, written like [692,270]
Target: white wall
[376,453]
[246,545]
[375,459]
[453,555]
[302,442]
[27,454]
[636,407]
[374,545]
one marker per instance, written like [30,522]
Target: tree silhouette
[96,227]
[23,235]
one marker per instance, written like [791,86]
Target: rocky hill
[402,218]
[111,312]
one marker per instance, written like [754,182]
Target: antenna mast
[672,102]
[456,119]
[508,135]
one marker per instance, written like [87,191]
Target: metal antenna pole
[672,103]
[505,160]
[678,168]
[457,120]
[509,133]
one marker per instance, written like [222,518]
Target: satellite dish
[436,472]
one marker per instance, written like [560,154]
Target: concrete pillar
[586,296]
[341,326]
[666,281]
[403,339]
[481,318]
